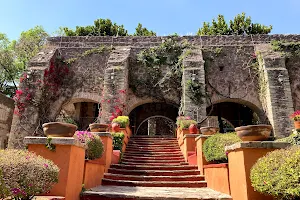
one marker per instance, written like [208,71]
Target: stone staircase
[153,162]
[153,168]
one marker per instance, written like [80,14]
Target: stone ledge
[190,136]
[103,134]
[55,140]
[258,144]
[202,136]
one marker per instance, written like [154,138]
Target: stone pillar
[115,84]
[193,72]
[241,157]
[277,98]
[69,156]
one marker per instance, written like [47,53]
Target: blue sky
[162,16]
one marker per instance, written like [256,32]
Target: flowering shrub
[277,174]
[92,142]
[118,140]
[295,116]
[122,120]
[23,174]
[186,123]
[214,146]
[180,118]
[293,139]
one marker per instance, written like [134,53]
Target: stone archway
[236,113]
[157,115]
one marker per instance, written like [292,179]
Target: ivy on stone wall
[163,65]
[287,48]
[195,91]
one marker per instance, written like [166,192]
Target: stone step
[157,154]
[163,158]
[154,139]
[145,167]
[153,146]
[153,150]
[153,178]
[154,136]
[189,184]
[153,193]
[143,148]
[154,172]
[153,164]
[177,161]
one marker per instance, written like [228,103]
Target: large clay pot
[297,125]
[59,129]
[209,130]
[254,132]
[193,129]
[95,127]
[115,127]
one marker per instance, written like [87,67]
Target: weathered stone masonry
[6,113]
[220,61]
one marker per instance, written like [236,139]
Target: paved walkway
[157,193]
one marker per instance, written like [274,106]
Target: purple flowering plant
[295,116]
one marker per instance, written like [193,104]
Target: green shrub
[92,142]
[118,140]
[70,121]
[214,146]
[23,174]
[278,174]
[180,118]
[293,139]
[186,123]
[122,120]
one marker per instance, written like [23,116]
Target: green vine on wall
[287,48]
[195,91]
[49,144]
[163,65]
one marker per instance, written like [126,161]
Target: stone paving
[123,192]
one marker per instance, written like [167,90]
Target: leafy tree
[140,31]
[14,56]
[29,44]
[101,27]
[239,26]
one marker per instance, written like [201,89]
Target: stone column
[277,98]
[115,84]
[193,72]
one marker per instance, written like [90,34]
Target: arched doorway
[154,119]
[229,115]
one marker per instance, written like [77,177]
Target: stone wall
[6,116]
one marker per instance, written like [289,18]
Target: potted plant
[97,127]
[259,132]
[296,117]
[59,129]
[209,130]
[188,126]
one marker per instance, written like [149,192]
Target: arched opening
[83,112]
[154,119]
[228,115]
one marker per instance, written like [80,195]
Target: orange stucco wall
[70,160]
[217,177]
[200,156]
[189,145]
[93,174]
[240,162]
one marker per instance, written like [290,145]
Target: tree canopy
[101,27]
[241,25]
[140,31]
[14,56]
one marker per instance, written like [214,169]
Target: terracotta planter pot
[115,127]
[297,125]
[209,130]
[95,127]
[59,129]
[193,129]
[254,132]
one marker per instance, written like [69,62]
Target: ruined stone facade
[6,116]
[223,64]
